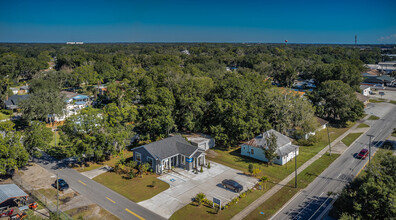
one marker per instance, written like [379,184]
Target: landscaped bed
[350,138]
[136,189]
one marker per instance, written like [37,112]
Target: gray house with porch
[170,152]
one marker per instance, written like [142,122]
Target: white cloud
[388,39]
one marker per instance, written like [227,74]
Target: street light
[370,135]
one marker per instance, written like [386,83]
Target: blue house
[255,148]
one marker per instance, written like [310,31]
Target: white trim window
[138,157]
[183,159]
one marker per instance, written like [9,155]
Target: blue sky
[298,21]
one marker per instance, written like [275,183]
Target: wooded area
[225,90]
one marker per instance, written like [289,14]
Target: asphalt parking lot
[185,185]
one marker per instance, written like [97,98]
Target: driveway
[185,185]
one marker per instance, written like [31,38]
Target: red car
[362,154]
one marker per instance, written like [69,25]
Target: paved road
[312,202]
[113,202]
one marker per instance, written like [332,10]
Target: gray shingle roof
[8,191]
[260,140]
[286,149]
[15,99]
[284,143]
[169,147]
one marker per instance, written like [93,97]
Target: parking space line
[82,182]
[110,199]
[134,214]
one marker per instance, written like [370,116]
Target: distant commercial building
[384,67]
[384,80]
[72,42]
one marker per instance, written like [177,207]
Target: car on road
[62,185]
[232,185]
[362,154]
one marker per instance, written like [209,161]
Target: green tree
[270,147]
[37,136]
[44,102]
[337,100]
[12,153]
[372,194]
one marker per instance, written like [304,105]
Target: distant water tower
[286,42]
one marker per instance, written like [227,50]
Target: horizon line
[188,42]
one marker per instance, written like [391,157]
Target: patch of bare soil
[36,178]
[212,153]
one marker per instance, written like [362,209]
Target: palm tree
[264,180]
[199,198]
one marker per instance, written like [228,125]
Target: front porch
[183,162]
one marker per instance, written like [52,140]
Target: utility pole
[328,136]
[57,196]
[370,135]
[295,167]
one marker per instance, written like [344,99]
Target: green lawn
[392,101]
[363,125]
[351,137]
[191,211]
[377,100]
[373,117]
[273,204]
[276,173]
[136,189]
[4,116]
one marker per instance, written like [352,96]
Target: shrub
[256,171]
[250,168]
[6,112]
[201,170]
[208,165]
[312,139]
[199,198]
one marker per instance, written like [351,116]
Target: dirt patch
[212,153]
[38,181]
[90,212]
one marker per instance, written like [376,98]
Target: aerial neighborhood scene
[198,110]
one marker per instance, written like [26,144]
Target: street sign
[382,93]
[216,201]
[189,160]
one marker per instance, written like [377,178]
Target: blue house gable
[255,148]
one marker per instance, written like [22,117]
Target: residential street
[313,202]
[113,202]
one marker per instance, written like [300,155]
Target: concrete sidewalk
[96,172]
[250,208]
